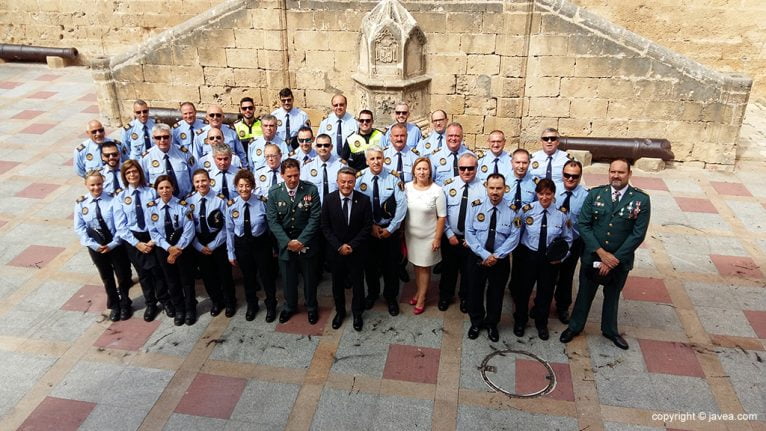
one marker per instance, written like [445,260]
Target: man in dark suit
[346,224]
[293,211]
[613,222]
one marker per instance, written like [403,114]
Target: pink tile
[42,95]
[37,129]
[531,377]
[409,290]
[757,320]
[27,114]
[732,189]
[57,414]
[299,324]
[3,223]
[48,77]
[667,357]
[593,180]
[211,396]
[69,162]
[412,364]
[127,334]
[90,97]
[646,289]
[37,190]
[648,183]
[696,205]
[36,256]
[90,298]
[6,166]
[9,85]
[738,266]
[92,109]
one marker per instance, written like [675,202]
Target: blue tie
[139,212]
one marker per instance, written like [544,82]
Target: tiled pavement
[694,313]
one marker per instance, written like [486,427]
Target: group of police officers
[202,196]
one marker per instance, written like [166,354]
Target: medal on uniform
[452,192]
[363,187]
[530,220]
[234,214]
[155,217]
[480,217]
[313,172]
[155,163]
[134,136]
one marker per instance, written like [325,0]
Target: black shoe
[358,323]
[191,317]
[231,310]
[285,315]
[403,274]
[618,341]
[568,335]
[170,311]
[438,268]
[473,332]
[271,314]
[126,313]
[542,333]
[251,311]
[337,321]
[179,319]
[369,302]
[114,314]
[313,317]
[463,306]
[563,316]
[533,313]
[492,333]
[518,329]
[215,309]
[150,312]
[443,304]
[393,307]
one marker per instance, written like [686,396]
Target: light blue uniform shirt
[527,184]
[212,203]
[230,138]
[487,166]
[255,150]
[575,205]
[87,156]
[432,143]
[85,217]
[183,135]
[109,184]
[216,180]
[298,119]
[414,135]
[453,191]
[390,161]
[531,220]
[538,165]
[153,163]
[302,157]
[330,126]
[133,137]
[388,184]
[125,211]
[235,220]
[441,162]
[264,180]
[180,217]
[313,172]
[208,163]
[507,229]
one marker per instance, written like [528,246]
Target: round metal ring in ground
[551,375]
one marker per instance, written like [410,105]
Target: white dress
[423,207]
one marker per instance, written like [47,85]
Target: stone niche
[392,64]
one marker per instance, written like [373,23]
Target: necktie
[616,196]
[454,164]
[204,228]
[517,196]
[439,143]
[172,174]
[116,180]
[139,211]
[339,138]
[463,208]
[191,138]
[376,212]
[542,244]
[168,223]
[565,205]
[495,162]
[287,127]
[102,224]
[325,184]
[399,164]
[490,244]
[305,159]
[274,179]
[247,227]
[147,141]
[548,170]
[292,195]
[345,211]
[224,185]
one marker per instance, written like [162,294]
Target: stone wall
[508,64]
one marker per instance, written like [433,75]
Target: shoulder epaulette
[526,207]
[639,190]
[263,198]
[291,153]
[184,149]
[307,161]
[230,126]
[205,121]
[199,132]
[436,150]
[80,199]
[479,154]
[476,203]
[145,153]
[221,196]
[182,202]
[190,194]
[414,150]
[230,202]
[394,173]
[448,181]
[343,162]
[117,142]
[151,204]
[178,123]
[239,121]
[128,126]
[359,174]
[81,147]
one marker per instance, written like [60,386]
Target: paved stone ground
[694,313]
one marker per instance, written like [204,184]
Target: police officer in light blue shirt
[110,155]
[305,150]
[549,162]
[323,169]
[521,191]
[436,139]
[289,118]
[257,146]
[444,161]
[137,134]
[87,156]
[339,124]
[492,232]
[268,175]
[165,159]
[215,121]
[186,130]
[402,114]
[398,156]
[222,172]
[496,160]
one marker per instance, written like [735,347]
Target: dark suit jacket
[294,219]
[334,227]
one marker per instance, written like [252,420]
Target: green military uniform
[619,228]
[299,219]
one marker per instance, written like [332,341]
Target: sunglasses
[94,131]
[365,120]
[304,140]
[401,112]
[111,155]
[549,138]
[215,115]
[215,138]
[571,176]
[338,105]
[286,100]
[143,111]
[436,120]
[323,145]
[467,168]
[162,137]
[247,108]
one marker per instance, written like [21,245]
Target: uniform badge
[563,209]
[428,145]
[84,210]
[357,144]
[329,127]
[183,135]
[517,222]
[258,151]
[184,149]
[207,165]
[484,168]
[313,172]
[212,182]
[452,192]
[128,200]
[279,123]
[514,207]
[476,203]
[89,156]
[442,161]
[191,206]
[535,165]
[530,220]
[387,160]
[155,163]
[536,180]
[241,133]
[262,178]
[191,161]
[363,187]
[117,191]
[155,217]
[507,189]
[480,217]
[134,136]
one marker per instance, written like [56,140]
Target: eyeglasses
[94,131]
[338,105]
[436,120]
[142,111]
[365,120]
[272,156]
[247,108]
[111,155]
[215,115]
[304,140]
[401,112]
[215,138]
[467,168]
[571,176]
[286,100]
[323,145]
[549,138]
[162,137]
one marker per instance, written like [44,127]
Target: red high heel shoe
[414,300]
[418,310]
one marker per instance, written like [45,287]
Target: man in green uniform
[293,211]
[612,223]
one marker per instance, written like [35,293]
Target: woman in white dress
[426,215]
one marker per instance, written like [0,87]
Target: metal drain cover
[497,363]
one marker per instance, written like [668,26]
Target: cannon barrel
[172,116]
[612,148]
[34,53]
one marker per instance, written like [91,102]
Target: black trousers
[254,255]
[455,259]
[347,269]
[305,266]
[383,259]
[492,278]
[535,270]
[514,285]
[150,275]
[563,291]
[179,277]
[109,265]
[216,276]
